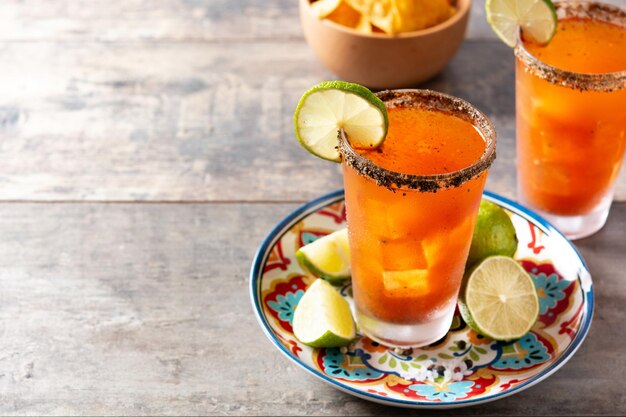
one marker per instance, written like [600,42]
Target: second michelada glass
[571,117]
[411,207]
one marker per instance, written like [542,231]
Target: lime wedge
[537,18]
[332,105]
[323,318]
[499,299]
[328,257]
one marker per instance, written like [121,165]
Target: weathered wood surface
[114,303]
[193,121]
[134,309]
[170,20]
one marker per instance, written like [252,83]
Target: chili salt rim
[602,82]
[431,100]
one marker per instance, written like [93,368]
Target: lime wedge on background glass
[332,105]
[499,299]
[323,318]
[537,18]
[328,257]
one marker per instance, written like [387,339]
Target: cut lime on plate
[323,318]
[494,234]
[328,257]
[499,299]
[332,105]
[536,18]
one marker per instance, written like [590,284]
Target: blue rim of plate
[285,225]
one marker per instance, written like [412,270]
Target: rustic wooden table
[147,148]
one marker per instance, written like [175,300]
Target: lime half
[332,105]
[328,257]
[494,234]
[499,299]
[323,318]
[537,19]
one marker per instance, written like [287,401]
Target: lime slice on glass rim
[323,317]
[328,257]
[537,19]
[499,299]
[332,105]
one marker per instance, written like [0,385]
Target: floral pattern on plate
[491,369]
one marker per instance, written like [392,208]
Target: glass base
[406,335]
[578,227]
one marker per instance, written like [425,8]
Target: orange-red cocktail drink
[571,117]
[411,207]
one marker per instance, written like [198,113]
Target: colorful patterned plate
[375,373]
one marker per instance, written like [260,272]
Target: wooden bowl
[381,61]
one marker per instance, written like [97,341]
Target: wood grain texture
[140,307]
[143,309]
[194,121]
[170,20]
[165,20]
